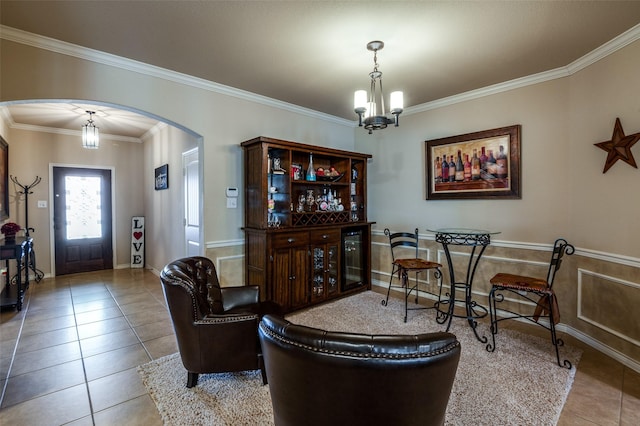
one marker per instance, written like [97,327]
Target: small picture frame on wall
[162,177]
[477,165]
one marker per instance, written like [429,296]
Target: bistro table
[478,240]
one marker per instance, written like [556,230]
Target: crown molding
[612,46]
[47,43]
[8,118]
[64,48]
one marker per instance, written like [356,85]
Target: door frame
[52,248]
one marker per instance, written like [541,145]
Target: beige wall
[164,211]
[32,153]
[223,122]
[564,192]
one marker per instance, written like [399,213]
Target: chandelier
[90,134]
[365,105]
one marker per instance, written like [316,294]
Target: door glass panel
[318,271]
[333,269]
[83,209]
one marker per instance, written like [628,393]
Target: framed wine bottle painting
[475,165]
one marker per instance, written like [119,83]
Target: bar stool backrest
[402,239]
[560,248]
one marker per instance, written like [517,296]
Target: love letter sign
[137,242]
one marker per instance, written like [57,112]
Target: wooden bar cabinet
[307,238]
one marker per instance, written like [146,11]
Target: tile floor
[70,357]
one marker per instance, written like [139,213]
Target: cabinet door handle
[325,236]
[292,277]
[291,240]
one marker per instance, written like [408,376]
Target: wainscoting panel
[610,304]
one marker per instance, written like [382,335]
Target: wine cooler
[353,259]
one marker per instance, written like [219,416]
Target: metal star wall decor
[619,147]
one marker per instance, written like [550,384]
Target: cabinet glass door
[325,270]
[318,272]
[333,268]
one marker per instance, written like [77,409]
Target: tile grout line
[130,325]
[84,368]
[25,309]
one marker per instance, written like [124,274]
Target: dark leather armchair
[216,328]
[318,377]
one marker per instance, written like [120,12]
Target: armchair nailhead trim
[282,339]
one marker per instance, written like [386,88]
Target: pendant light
[366,105]
[90,134]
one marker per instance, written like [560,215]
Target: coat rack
[26,190]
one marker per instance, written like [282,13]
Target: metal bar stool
[404,265]
[537,291]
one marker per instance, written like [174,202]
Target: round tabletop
[460,231]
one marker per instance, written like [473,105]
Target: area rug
[518,384]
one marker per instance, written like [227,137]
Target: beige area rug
[518,384]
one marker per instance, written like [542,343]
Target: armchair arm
[238,297]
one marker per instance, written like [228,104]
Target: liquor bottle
[475,166]
[438,170]
[445,169]
[452,169]
[311,172]
[501,164]
[459,168]
[467,168]
[483,162]
[491,166]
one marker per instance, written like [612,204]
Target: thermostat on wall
[232,192]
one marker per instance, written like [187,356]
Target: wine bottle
[475,166]
[501,164]
[452,169]
[491,166]
[483,162]
[459,168]
[311,172]
[445,169]
[438,170]
[467,168]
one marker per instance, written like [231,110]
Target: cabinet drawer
[324,236]
[290,239]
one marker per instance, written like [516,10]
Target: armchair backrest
[318,377]
[399,240]
[197,275]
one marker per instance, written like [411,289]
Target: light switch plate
[232,203]
[42,204]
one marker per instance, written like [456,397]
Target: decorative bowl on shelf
[330,178]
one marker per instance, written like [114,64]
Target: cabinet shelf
[319,182]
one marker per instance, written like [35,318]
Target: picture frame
[162,177]
[4,179]
[483,174]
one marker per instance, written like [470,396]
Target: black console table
[474,238]
[19,249]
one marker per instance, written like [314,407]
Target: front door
[82,220]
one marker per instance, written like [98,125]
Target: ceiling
[313,53]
